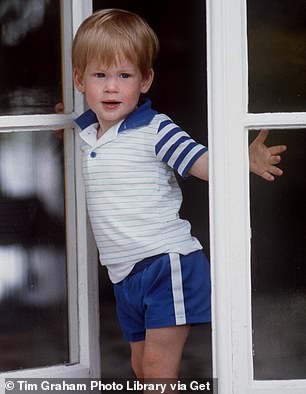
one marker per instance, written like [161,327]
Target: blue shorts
[167,290]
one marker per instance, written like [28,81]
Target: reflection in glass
[30,52]
[33,300]
[277,55]
[278,258]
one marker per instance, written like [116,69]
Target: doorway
[179,90]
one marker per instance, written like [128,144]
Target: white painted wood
[87,281]
[35,122]
[66,38]
[87,252]
[81,9]
[71,246]
[276,120]
[221,302]
[70,201]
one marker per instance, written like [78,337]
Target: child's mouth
[111,104]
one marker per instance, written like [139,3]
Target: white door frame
[83,294]
[229,123]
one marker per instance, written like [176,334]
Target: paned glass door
[48,326]
[256,68]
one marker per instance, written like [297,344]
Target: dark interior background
[30,52]
[277,55]
[278,250]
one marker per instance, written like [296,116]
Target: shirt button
[93,154]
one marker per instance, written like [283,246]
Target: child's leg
[159,356]
[137,350]
[171,293]
[163,351]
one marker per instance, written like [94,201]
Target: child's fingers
[262,135]
[275,159]
[277,149]
[267,176]
[59,108]
[275,171]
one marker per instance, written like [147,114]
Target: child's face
[112,92]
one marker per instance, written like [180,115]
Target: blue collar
[141,116]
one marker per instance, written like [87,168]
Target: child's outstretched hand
[264,160]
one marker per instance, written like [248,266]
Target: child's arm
[262,159]
[200,167]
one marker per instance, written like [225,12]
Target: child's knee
[137,350]
[151,368]
[137,367]
[156,367]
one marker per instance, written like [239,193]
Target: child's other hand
[264,160]
[59,109]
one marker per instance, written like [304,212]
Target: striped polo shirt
[132,194]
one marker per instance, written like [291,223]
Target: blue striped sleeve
[176,148]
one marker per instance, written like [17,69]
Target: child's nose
[111,84]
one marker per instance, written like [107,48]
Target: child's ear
[147,81]
[78,80]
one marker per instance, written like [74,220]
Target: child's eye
[124,75]
[99,75]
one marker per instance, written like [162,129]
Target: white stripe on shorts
[177,288]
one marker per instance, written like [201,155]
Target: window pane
[277,55]
[33,299]
[278,217]
[30,67]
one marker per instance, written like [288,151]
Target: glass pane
[278,217]
[33,299]
[30,52]
[277,61]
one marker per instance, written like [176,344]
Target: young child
[130,156]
